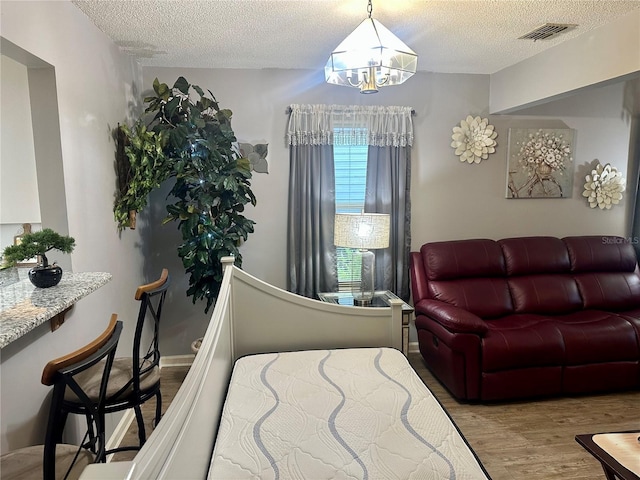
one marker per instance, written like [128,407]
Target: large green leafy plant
[212,180]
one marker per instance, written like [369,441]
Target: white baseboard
[413,347]
[176,360]
[121,430]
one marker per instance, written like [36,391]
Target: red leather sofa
[528,317]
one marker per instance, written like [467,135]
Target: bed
[288,387]
[351,413]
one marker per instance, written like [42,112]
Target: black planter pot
[45,277]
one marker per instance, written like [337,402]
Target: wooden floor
[531,440]
[534,440]
[170,380]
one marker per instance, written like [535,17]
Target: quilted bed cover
[336,414]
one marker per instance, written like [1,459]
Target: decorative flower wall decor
[540,163]
[604,186]
[474,139]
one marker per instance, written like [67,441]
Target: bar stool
[55,460]
[136,379]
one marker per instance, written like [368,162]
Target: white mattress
[336,414]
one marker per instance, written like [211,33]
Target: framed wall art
[540,163]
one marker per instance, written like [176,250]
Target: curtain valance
[378,126]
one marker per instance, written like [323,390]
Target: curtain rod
[288,110]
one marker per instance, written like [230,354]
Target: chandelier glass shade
[369,58]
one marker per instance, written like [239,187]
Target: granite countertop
[24,307]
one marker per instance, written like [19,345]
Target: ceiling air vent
[547,30]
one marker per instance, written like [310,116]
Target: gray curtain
[387,191]
[311,133]
[634,172]
[311,254]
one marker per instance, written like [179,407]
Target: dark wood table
[618,452]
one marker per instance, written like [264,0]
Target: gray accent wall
[81,87]
[450,199]
[98,87]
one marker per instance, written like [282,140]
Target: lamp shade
[362,230]
[370,57]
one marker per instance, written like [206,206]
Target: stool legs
[158,409]
[142,435]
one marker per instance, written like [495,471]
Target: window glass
[350,164]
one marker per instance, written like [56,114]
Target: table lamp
[363,231]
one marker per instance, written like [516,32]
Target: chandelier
[369,58]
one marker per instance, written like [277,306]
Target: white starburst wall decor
[603,187]
[474,139]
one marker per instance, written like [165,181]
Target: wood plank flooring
[534,440]
[170,380]
[531,440]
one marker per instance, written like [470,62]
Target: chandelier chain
[369,9]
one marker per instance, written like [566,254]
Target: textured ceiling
[452,36]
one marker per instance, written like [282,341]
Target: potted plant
[37,244]
[191,139]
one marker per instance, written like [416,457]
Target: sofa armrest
[419,287]
[454,319]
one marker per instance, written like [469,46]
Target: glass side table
[380,299]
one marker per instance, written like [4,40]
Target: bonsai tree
[38,243]
[212,179]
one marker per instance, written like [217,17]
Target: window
[350,166]
[328,136]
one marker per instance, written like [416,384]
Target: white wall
[597,57]
[96,87]
[19,200]
[450,200]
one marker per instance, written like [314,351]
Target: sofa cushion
[533,255]
[545,294]
[539,280]
[593,336]
[462,259]
[521,341]
[469,274]
[600,254]
[633,314]
[633,317]
[484,297]
[609,291]
[454,319]
[605,272]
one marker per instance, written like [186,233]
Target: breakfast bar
[28,315]
[24,307]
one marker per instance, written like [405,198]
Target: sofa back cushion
[605,269]
[462,259]
[545,294]
[532,255]
[469,274]
[540,277]
[485,297]
[600,254]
